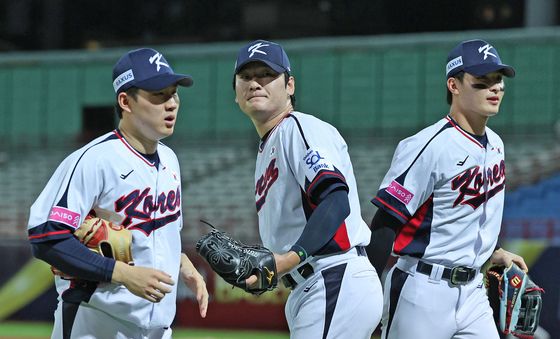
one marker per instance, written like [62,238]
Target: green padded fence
[375,85]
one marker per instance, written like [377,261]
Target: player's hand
[284,263]
[503,257]
[145,282]
[195,283]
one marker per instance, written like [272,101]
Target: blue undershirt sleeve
[73,258]
[323,223]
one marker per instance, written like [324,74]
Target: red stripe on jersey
[408,231]
[132,149]
[463,132]
[334,174]
[391,208]
[341,237]
[38,236]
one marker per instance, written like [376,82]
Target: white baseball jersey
[295,161]
[111,178]
[447,188]
[448,191]
[299,161]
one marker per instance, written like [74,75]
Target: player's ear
[452,85]
[123,101]
[291,86]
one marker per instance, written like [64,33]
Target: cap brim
[483,69]
[273,66]
[165,80]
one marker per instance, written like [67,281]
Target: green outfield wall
[376,84]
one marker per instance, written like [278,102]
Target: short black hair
[293,96]
[131,92]
[459,76]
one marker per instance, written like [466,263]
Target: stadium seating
[218,184]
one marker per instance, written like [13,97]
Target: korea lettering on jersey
[108,177]
[448,191]
[298,162]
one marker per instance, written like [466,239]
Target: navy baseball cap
[147,69]
[476,57]
[267,52]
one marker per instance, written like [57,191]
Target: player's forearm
[380,247]
[286,262]
[186,262]
[187,268]
[382,237]
[323,224]
[74,259]
[120,273]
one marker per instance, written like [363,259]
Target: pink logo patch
[402,194]
[65,216]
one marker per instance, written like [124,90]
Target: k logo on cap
[476,57]
[147,69]
[266,52]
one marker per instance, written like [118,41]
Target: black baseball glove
[515,299]
[235,261]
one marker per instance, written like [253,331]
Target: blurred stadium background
[359,67]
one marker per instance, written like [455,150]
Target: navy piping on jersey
[267,134]
[130,148]
[152,158]
[400,179]
[264,138]
[63,200]
[300,130]
[332,278]
[397,282]
[80,290]
[69,312]
[473,138]
[483,139]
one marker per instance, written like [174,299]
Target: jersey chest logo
[141,205]
[470,185]
[265,182]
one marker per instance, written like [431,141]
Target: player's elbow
[38,251]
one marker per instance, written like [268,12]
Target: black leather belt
[306,270]
[458,275]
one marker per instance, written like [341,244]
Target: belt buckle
[460,275]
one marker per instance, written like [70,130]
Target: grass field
[29,330]
[21,330]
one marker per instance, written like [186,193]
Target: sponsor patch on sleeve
[315,161]
[402,194]
[65,216]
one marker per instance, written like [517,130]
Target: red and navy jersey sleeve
[412,177]
[314,159]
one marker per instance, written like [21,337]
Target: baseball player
[443,196]
[128,177]
[307,204]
